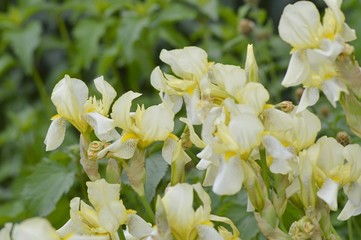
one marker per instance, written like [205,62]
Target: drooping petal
[122,148]
[230,177]
[282,157]
[328,193]
[56,133]
[349,210]
[299,25]
[298,70]
[137,227]
[192,107]
[332,89]
[121,110]
[107,91]
[103,126]
[195,139]
[309,98]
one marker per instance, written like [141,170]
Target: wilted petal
[192,107]
[230,177]
[56,133]
[328,193]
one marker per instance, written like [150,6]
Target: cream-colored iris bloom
[140,128]
[70,97]
[187,223]
[99,221]
[331,171]
[288,134]
[316,46]
[32,228]
[190,65]
[231,133]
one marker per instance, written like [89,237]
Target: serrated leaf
[87,34]
[46,185]
[156,168]
[24,42]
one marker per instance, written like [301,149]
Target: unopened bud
[302,229]
[325,111]
[94,148]
[185,138]
[343,138]
[246,26]
[285,106]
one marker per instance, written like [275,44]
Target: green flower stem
[264,168]
[349,230]
[121,234]
[40,87]
[148,208]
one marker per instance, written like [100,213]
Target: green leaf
[175,12]
[46,185]
[156,168]
[24,42]
[129,32]
[87,34]
[11,211]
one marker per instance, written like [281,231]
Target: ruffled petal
[332,89]
[107,91]
[100,193]
[103,126]
[298,70]
[121,110]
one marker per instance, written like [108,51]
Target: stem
[349,229]
[148,208]
[121,234]
[264,168]
[40,87]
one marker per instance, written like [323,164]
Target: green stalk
[40,87]
[121,234]
[148,208]
[264,168]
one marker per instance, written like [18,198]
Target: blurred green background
[41,41]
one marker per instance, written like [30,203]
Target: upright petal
[100,193]
[121,109]
[108,93]
[157,123]
[299,25]
[104,128]
[298,70]
[187,63]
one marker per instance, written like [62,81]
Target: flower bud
[94,148]
[246,26]
[343,138]
[285,106]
